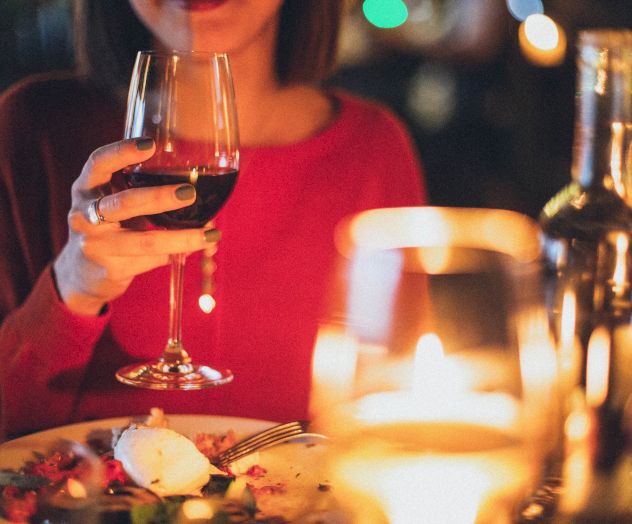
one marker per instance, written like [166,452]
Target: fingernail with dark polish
[185,192]
[144,143]
[212,235]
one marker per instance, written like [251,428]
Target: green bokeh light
[385,14]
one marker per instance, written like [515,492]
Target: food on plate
[150,471]
[163,461]
[60,480]
[212,444]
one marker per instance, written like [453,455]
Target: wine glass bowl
[185,102]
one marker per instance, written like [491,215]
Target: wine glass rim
[176,52]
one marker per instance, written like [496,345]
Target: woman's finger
[145,201]
[110,158]
[125,268]
[142,243]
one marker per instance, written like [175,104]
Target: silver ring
[95,217]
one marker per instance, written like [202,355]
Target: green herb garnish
[22,481]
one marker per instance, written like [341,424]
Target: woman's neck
[271,113]
[256,91]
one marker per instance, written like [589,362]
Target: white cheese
[163,461]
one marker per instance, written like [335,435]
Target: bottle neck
[602,154]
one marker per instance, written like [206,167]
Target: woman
[80,300]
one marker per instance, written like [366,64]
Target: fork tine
[262,440]
[266,433]
[273,437]
[225,461]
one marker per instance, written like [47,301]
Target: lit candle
[434,452]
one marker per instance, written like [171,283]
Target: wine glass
[185,102]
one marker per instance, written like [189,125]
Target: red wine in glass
[212,185]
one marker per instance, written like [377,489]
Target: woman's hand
[99,261]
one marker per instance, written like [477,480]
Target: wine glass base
[151,376]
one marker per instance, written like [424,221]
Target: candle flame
[193,176]
[598,367]
[427,367]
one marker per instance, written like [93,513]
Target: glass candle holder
[434,372]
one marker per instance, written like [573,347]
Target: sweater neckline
[339,124]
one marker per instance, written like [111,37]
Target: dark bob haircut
[108,35]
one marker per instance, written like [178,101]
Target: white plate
[298,465]
[14,453]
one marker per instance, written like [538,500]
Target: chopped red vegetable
[18,505]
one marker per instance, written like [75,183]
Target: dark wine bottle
[588,257]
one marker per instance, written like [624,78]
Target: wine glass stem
[174,349]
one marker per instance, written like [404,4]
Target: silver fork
[265,439]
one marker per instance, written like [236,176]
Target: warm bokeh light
[438,487]
[617,154]
[333,367]
[576,471]
[542,40]
[206,303]
[569,349]
[568,318]
[598,367]
[438,482]
[385,14]
[76,489]
[542,32]
[620,282]
[197,509]
[577,426]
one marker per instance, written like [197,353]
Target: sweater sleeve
[44,347]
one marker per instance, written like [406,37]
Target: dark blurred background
[488,98]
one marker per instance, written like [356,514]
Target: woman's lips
[199,5]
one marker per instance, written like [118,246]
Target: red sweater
[273,263]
